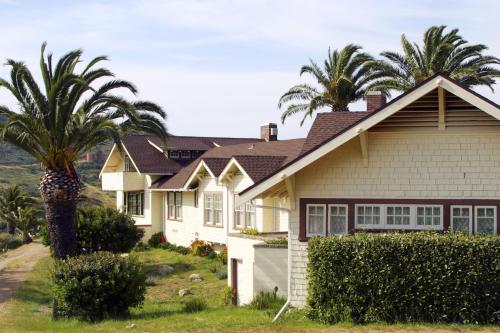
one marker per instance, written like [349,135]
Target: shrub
[195,305]
[222,256]
[103,229]
[252,232]
[174,248]
[266,300]
[9,242]
[278,241]
[408,277]
[141,247]
[200,248]
[98,286]
[157,239]
[221,273]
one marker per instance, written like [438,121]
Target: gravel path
[15,266]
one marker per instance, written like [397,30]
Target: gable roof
[260,158]
[330,140]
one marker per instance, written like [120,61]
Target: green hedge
[98,286]
[405,277]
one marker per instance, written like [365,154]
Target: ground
[29,310]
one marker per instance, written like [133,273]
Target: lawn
[30,310]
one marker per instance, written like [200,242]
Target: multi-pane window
[213,208]
[129,166]
[173,154]
[244,216]
[134,203]
[429,216]
[185,154]
[195,199]
[367,215]
[461,218]
[337,219]
[174,202]
[239,217]
[398,215]
[316,220]
[486,219]
[249,215]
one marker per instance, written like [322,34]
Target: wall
[435,165]
[270,269]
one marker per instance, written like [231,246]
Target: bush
[141,247]
[265,300]
[200,248]
[251,232]
[174,248]
[103,229]
[157,239]
[194,305]
[9,242]
[98,286]
[222,256]
[408,277]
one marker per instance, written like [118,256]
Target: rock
[195,278]
[130,326]
[164,270]
[184,292]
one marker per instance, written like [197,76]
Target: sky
[219,67]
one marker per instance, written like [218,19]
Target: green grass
[163,310]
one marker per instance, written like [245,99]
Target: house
[427,160]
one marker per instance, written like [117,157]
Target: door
[234,281]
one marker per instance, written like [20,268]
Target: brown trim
[234,280]
[351,202]
[369,114]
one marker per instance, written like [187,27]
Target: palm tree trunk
[60,192]
[11,227]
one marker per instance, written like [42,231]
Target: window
[461,218]
[174,203]
[429,217]
[129,166]
[337,224]
[244,216]
[486,219]
[196,199]
[367,215]
[134,203]
[185,154]
[212,209]
[173,154]
[399,216]
[316,220]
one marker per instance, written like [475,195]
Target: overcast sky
[219,67]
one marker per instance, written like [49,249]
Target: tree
[27,221]
[343,79]
[66,119]
[447,53]
[12,199]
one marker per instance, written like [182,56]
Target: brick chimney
[269,132]
[374,100]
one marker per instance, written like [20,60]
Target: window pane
[461,224]
[485,225]
[338,220]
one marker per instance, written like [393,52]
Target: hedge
[404,277]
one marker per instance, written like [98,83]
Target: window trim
[141,206]
[244,211]
[324,219]
[185,154]
[173,154]
[471,217]
[328,213]
[172,213]
[494,218]
[213,210]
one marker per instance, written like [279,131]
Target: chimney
[374,100]
[269,132]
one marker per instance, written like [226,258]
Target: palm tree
[12,199]
[65,120]
[447,53]
[27,221]
[343,79]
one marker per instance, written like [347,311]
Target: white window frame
[413,218]
[174,210]
[494,218]
[324,219]
[329,215]
[173,154]
[471,217]
[185,154]
[211,212]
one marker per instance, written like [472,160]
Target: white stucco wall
[434,165]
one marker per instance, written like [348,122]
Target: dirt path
[15,266]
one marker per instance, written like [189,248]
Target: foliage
[194,305]
[220,271]
[29,222]
[442,52]
[175,248]
[222,256]
[9,242]
[344,79]
[98,286]
[200,248]
[103,229]
[278,241]
[12,201]
[266,300]
[157,239]
[250,231]
[409,277]
[141,247]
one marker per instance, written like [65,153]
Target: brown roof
[176,142]
[329,124]
[258,159]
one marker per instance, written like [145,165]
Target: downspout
[289,282]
